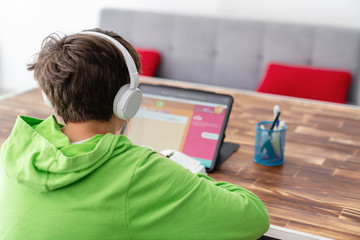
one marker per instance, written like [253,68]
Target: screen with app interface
[191,126]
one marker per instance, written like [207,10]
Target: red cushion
[150,59]
[306,82]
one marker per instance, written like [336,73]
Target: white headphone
[128,99]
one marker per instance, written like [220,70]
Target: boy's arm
[166,201]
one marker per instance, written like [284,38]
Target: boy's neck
[80,131]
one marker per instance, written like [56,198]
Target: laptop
[189,121]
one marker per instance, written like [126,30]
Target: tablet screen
[190,121]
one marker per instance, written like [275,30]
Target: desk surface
[316,190]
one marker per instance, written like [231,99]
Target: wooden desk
[316,190]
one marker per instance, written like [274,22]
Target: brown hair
[81,74]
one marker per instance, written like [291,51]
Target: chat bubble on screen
[212,136]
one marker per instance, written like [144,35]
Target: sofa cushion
[306,82]
[150,59]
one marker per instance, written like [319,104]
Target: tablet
[187,120]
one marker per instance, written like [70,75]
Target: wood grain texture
[316,190]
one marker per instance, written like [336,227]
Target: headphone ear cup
[46,99]
[127,102]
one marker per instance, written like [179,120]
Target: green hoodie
[107,188]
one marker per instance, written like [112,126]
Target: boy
[83,181]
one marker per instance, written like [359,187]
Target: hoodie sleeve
[166,201]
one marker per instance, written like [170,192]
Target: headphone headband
[133,73]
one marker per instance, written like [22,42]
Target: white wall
[25,23]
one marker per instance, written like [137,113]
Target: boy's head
[81,74]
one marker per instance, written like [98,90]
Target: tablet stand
[226,149]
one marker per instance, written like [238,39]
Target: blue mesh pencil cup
[269,144]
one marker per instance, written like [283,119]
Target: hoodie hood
[39,156]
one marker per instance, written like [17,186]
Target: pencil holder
[269,144]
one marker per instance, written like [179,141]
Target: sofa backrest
[234,52]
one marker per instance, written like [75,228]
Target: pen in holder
[269,143]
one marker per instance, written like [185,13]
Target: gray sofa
[234,52]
